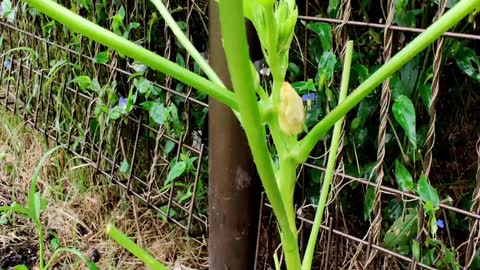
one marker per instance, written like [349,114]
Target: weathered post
[233,182]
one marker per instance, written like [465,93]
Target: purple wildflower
[440,223]
[7,64]
[1,10]
[309,97]
[122,102]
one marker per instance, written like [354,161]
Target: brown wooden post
[233,192]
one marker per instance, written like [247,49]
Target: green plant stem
[332,158]
[34,203]
[133,248]
[449,19]
[235,44]
[41,245]
[288,178]
[182,38]
[67,250]
[132,50]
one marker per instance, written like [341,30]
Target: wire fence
[38,83]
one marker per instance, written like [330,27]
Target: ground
[79,207]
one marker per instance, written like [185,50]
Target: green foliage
[402,231]
[427,193]
[403,177]
[404,113]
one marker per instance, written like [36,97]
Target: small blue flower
[7,64]
[440,223]
[122,102]
[309,97]
[1,10]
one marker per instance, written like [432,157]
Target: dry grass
[79,208]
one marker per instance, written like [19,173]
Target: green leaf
[17,208]
[303,87]
[369,202]
[361,71]
[38,204]
[54,243]
[83,82]
[323,30]
[180,60]
[157,113]
[90,264]
[169,146]
[426,192]
[409,75]
[124,167]
[466,59]
[177,127]
[332,5]
[20,267]
[416,250]
[115,113]
[147,105]
[293,70]
[32,197]
[404,113]
[403,177]
[426,95]
[177,170]
[101,58]
[402,231]
[326,65]
[365,109]
[7,8]
[143,86]
[117,21]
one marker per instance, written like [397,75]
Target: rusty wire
[376,225]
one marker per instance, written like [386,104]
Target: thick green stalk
[132,50]
[332,158]
[288,178]
[448,20]
[133,248]
[183,39]
[235,44]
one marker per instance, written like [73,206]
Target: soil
[21,253]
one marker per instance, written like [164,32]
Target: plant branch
[133,248]
[451,18]
[132,50]
[332,158]
[183,39]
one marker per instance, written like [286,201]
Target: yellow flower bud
[291,114]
